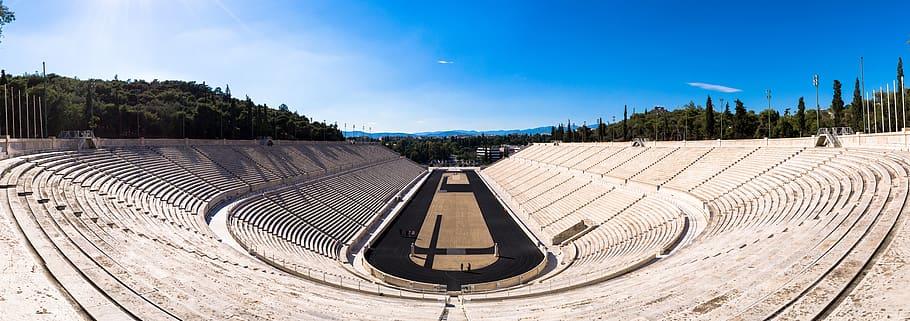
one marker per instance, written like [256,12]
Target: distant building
[489,153]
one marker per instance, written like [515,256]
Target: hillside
[155,109]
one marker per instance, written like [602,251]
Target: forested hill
[159,109]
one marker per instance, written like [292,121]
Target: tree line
[151,109]
[711,121]
[435,150]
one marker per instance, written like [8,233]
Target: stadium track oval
[518,253]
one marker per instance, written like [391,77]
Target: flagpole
[903,101]
[40,122]
[874,113]
[862,76]
[27,126]
[19,93]
[5,114]
[881,91]
[881,105]
[895,108]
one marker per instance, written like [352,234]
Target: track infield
[391,252]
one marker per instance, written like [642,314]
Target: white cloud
[713,87]
[444,62]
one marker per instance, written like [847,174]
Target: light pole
[769,112]
[818,108]
[903,101]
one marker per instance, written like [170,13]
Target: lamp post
[818,108]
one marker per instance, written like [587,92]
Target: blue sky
[511,64]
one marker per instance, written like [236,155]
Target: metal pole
[19,93]
[894,82]
[40,123]
[27,126]
[44,94]
[769,113]
[903,101]
[818,109]
[862,76]
[887,97]
[36,112]
[874,112]
[5,114]
[887,103]
[866,114]
[882,107]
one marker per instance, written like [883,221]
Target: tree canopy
[6,16]
[161,109]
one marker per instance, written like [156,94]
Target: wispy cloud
[444,62]
[713,87]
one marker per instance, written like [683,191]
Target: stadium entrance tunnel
[454,233]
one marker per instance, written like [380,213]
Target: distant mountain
[447,133]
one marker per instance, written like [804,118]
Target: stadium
[188,229]
[167,199]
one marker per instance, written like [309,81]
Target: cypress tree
[837,105]
[709,119]
[741,121]
[856,107]
[900,72]
[801,117]
[625,127]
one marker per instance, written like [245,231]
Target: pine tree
[709,119]
[801,117]
[856,107]
[837,105]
